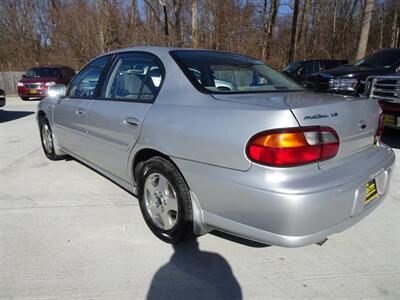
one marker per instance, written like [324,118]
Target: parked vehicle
[2,98]
[267,160]
[386,89]
[300,70]
[350,79]
[37,80]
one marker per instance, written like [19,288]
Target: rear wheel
[164,199]
[46,137]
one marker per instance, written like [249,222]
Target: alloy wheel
[161,201]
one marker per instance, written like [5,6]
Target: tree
[195,29]
[71,32]
[294,31]
[365,26]
[304,24]
[269,27]
[334,30]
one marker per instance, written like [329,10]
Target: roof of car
[389,50]
[50,66]
[157,50]
[309,60]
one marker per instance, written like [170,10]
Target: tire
[25,98]
[151,179]
[46,138]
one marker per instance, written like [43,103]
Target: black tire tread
[53,155]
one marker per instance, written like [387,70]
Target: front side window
[135,76]
[84,84]
[219,72]
[308,68]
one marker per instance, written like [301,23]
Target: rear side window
[134,76]
[85,83]
[330,65]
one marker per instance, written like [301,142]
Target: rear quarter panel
[214,132]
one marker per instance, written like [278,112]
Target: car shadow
[194,274]
[9,115]
[238,240]
[391,137]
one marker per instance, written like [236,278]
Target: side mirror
[57,90]
[23,75]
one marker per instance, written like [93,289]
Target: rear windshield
[219,72]
[382,59]
[43,72]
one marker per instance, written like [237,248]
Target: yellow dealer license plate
[34,91]
[389,120]
[370,191]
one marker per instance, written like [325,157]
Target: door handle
[132,121]
[80,112]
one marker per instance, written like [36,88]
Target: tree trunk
[310,44]
[394,36]
[304,20]
[133,23]
[177,5]
[166,30]
[195,30]
[334,30]
[269,29]
[365,26]
[382,11]
[133,14]
[292,49]
[220,25]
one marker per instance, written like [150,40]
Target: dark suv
[350,79]
[300,70]
[36,81]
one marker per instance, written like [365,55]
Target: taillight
[379,131]
[293,146]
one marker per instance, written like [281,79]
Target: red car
[36,81]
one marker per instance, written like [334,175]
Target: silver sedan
[258,156]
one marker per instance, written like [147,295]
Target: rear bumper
[284,208]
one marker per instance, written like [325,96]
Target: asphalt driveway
[67,232]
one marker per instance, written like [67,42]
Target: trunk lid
[272,100]
[354,119]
